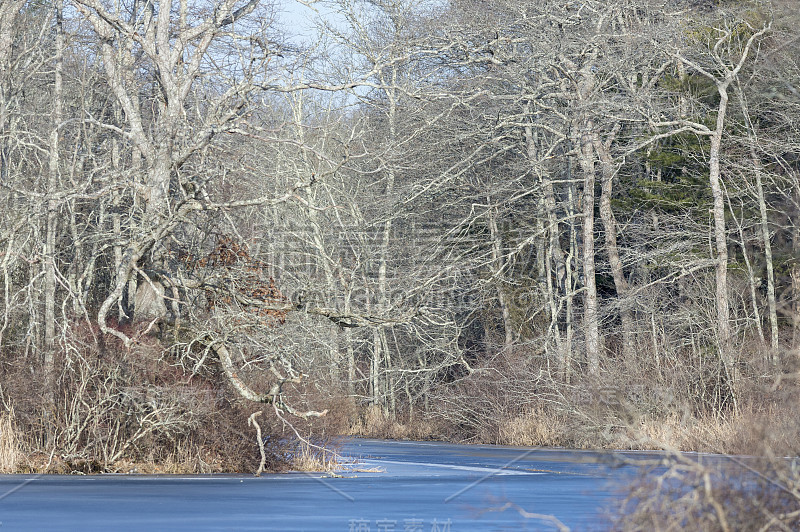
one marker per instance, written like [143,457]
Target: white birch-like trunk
[721,300]
[591,327]
[720,237]
[772,307]
[52,205]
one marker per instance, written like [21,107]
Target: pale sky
[298,19]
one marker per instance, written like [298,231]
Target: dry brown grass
[745,432]
[686,433]
[535,428]
[373,423]
[185,459]
[10,453]
[314,459]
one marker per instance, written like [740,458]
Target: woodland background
[542,222]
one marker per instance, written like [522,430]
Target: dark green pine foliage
[676,179]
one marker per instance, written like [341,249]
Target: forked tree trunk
[610,228]
[382,299]
[555,266]
[726,354]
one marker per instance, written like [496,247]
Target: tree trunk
[351,363]
[375,369]
[610,228]
[9,10]
[720,237]
[554,261]
[751,278]
[52,206]
[591,328]
[498,264]
[772,306]
[721,290]
[795,271]
[383,253]
[570,271]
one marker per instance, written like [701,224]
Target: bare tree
[728,53]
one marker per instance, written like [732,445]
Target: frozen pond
[420,487]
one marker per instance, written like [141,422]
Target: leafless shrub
[757,488]
[129,410]
[714,494]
